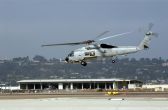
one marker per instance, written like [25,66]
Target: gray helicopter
[93,50]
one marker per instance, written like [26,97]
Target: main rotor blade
[115,36]
[72,44]
[78,43]
[102,34]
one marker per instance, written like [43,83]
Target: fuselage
[102,50]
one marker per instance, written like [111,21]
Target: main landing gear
[83,63]
[113,61]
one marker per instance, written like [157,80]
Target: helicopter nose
[66,59]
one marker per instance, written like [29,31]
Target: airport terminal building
[73,84]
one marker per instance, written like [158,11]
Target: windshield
[71,54]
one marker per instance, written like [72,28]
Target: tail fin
[145,42]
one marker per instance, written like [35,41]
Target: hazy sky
[27,24]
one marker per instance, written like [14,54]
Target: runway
[85,104]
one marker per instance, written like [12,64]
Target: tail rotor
[148,36]
[149,32]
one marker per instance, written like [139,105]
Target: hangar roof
[71,80]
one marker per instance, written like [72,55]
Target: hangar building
[61,84]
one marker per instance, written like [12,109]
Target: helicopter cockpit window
[71,54]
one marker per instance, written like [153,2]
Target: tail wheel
[83,63]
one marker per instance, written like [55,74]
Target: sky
[27,24]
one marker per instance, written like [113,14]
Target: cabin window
[92,53]
[87,53]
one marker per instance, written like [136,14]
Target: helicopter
[93,50]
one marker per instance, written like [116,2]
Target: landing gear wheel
[113,61]
[83,63]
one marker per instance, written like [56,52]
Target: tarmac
[83,102]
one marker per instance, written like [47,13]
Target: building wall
[64,84]
[10,88]
[74,85]
[160,87]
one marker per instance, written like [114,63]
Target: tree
[40,58]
